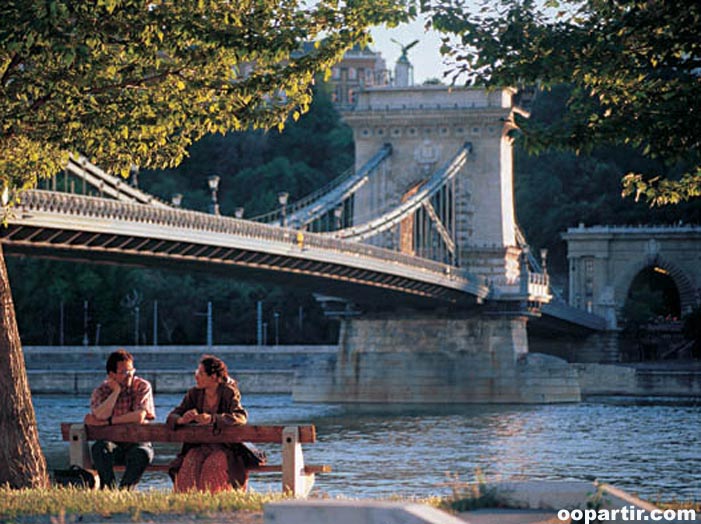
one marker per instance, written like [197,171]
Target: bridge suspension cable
[106,184]
[411,205]
[323,200]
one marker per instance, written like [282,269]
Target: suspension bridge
[424,220]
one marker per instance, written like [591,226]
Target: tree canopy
[634,67]
[127,82]
[130,82]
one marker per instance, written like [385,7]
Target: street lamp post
[209,325]
[132,300]
[155,323]
[137,322]
[85,322]
[259,323]
[213,182]
[544,260]
[282,197]
[60,324]
[338,215]
[134,175]
[276,315]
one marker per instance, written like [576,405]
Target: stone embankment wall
[269,369]
[595,348]
[170,369]
[664,379]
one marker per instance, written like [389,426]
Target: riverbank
[272,369]
[479,503]
[58,505]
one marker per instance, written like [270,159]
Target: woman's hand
[187,417]
[204,418]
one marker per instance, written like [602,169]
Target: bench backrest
[195,434]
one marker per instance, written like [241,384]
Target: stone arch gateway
[604,261]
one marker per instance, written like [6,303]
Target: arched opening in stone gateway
[652,295]
[651,315]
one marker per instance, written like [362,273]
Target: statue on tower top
[405,49]
[403,70]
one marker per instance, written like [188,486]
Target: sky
[425,56]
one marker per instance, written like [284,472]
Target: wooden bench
[297,478]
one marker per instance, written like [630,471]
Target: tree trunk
[22,463]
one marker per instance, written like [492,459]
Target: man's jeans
[135,456]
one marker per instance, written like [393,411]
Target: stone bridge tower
[426,127]
[427,354]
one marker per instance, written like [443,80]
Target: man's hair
[215,366]
[121,355]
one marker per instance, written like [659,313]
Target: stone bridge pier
[421,357]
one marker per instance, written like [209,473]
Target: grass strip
[74,501]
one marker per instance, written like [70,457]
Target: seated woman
[214,400]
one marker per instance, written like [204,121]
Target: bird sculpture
[405,48]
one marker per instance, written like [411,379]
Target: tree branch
[14,62]
[131,83]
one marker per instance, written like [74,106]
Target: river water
[650,447]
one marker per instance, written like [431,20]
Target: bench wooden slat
[272,468]
[199,434]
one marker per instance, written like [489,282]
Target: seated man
[121,399]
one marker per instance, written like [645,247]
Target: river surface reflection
[651,448]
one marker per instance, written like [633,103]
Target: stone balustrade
[539,286]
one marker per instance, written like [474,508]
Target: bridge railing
[89,207]
[538,285]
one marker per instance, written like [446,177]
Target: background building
[359,68]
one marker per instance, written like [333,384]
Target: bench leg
[79,451]
[294,480]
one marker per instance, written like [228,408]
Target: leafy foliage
[130,82]
[555,190]
[634,67]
